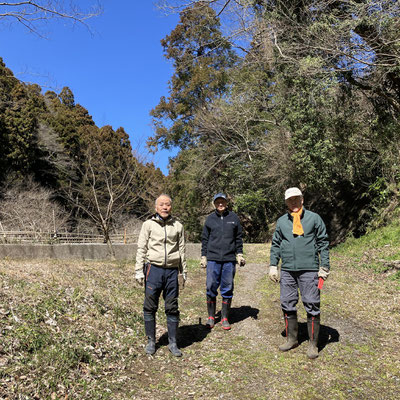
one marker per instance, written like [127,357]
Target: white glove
[240,260]
[139,276]
[203,262]
[273,273]
[323,273]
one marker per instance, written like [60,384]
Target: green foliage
[313,102]
[251,208]
[92,171]
[380,238]
[201,57]
[377,250]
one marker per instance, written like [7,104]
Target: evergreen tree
[201,59]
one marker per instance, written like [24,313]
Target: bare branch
[31,14]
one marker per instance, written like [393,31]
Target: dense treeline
[52,154]
[297,92]
[265,94]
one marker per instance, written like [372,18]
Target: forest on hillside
[61,172]
[265,94]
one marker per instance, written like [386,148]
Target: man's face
[163,206]
[220,205]
[294,203]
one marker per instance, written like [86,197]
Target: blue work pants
[220,275]
[161,280]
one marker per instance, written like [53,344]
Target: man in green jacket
[160,259]
[300,241]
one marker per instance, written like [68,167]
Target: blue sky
[118,73]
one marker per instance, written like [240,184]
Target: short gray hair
[163,195]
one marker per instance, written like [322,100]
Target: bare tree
[30,207]
[33,14]
[106,188]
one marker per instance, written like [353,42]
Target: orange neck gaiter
[297,227]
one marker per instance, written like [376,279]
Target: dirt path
[247,314]
[244,363]
[213,363]
[75,330]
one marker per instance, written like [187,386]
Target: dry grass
[74,330]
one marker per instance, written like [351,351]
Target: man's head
[294,199]
[220,202]
[163,206]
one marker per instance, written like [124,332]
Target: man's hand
[240,260]
[323,273]
[182,280]
[273,273]
[139,276]
[203,262]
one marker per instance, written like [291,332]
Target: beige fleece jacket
[161,243]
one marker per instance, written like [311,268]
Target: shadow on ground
[241,313]
[238,314]
[326,335]
[189,334]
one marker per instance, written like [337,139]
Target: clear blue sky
[118,74]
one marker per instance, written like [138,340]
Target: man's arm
[142,246]
[182,252]
[275,254]
[204,239]
[322,241]
[239,238]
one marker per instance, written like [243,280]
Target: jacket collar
[224,214]
[302,214]
[156,217]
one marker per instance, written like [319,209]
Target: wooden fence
[62,237]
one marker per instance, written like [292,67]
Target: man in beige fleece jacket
[160,258]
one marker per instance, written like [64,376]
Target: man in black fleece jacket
[221,248]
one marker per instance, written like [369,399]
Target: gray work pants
[307,283]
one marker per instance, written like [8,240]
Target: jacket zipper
[222,222]
[294,248]
[165,244]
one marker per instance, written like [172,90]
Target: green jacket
[300,253]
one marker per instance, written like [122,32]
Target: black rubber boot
[150,329]
[226,306]
[211,305]
[313,324]
[292,329]
[172,325]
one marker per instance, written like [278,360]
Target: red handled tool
[320,283]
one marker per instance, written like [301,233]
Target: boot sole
[225,327]
[208,325]
[176,354]
[149,352]
[290,348]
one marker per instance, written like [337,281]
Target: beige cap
[293,191]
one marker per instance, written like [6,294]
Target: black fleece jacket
[222,239]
